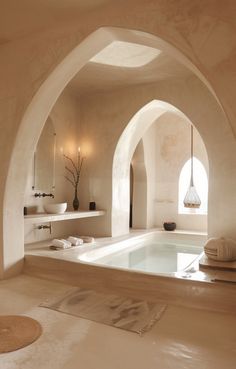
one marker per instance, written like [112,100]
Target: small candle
[79,149]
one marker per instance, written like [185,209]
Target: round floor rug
[17,331]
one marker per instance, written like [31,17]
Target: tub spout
[45,226]
[38,194]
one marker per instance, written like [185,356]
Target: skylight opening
[126,54]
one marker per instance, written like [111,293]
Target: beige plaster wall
[140,190]
[202,31]
[166,146]
[106,115]
[65,117]
[149,140]
[166,149]
[172,151]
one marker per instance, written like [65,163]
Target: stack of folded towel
[87,239]
[75,241]
[220,249]
[66,244]
[70,242]
[61,244]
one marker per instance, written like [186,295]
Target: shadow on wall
[139,187]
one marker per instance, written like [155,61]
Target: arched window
[201,184]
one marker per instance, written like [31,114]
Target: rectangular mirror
[44,159]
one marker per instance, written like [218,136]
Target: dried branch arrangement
[74,170]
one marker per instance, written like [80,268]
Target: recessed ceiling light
[126,54]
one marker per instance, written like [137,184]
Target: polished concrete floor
[184,338]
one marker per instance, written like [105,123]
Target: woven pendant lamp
[192,200]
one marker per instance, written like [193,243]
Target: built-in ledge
[68,215]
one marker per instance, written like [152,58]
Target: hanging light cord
[191,179]
[192,200]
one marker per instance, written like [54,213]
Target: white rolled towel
[220,249]
[61,244]
[87,239]
[75,241]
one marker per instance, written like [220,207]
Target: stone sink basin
[59,208]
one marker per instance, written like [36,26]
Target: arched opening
[32,123]
[153,112]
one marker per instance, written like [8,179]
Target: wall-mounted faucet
[38,194]
[44,226]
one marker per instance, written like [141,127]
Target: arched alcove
[35,116]
[125,148]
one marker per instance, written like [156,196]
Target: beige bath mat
[121,312]
[17,332]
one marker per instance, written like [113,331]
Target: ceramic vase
[76,201]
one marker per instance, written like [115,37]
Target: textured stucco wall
[139,197]
[105,116]
[203,31]
[65,117]
[166,147]
[172,152]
